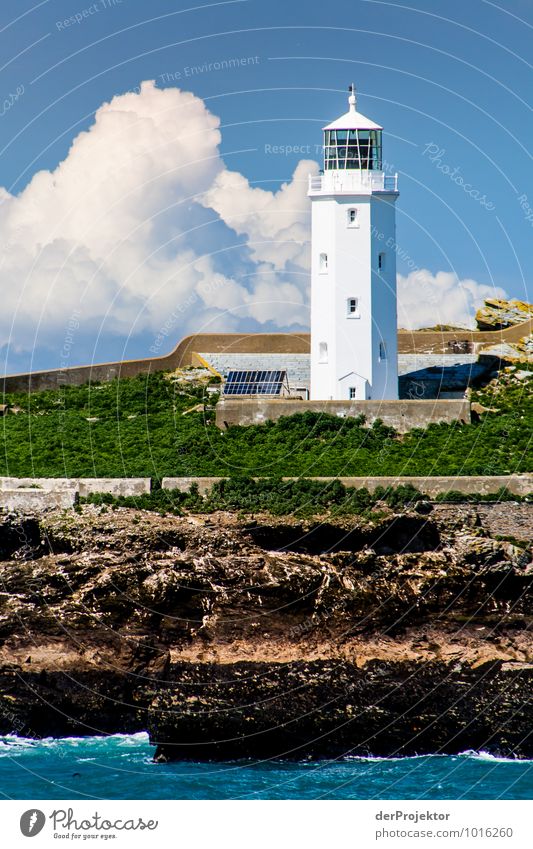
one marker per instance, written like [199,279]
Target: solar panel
[254,382]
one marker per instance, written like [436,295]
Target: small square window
[323,264]
[352,307]
[352,217]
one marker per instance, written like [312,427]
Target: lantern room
[352,142]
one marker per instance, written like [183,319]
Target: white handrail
[352,181]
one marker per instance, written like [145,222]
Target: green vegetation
[282,498]
[151,426]
[272,495]
[453,496]
[131,427]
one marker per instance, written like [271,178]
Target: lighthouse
[353,265]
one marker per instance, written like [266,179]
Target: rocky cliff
[496,314]
[228,637]
[499,315]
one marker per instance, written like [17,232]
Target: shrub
[140,431]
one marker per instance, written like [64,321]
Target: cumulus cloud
[275,224]
[84,236]
[144,231]
[121,233]
[426,299]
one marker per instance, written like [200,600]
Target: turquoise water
[121,767]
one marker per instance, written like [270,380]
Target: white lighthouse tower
[353,276]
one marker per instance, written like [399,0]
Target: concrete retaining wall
[37,500]
[401,415]
[184,484]
[409,342]
[115,486]
[481,484]
[84,486]
[65,492]
[182,355]
[297,366]
[421,376]
[43,484]
[412,364]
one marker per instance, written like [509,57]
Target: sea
[122,767]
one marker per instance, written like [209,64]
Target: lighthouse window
[352,149]
[382,351]
[323,264]
[352,306]
[323,352]
[352,217]
[352,392]
[381,261]
[365,150]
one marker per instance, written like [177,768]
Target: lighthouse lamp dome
[353,141]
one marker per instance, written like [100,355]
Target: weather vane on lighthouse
[353,269]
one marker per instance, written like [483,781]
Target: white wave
[468,753]
[11,742]
[487,756]
[381,759]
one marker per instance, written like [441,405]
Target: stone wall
[297,366]
[409,342]
[46,484]
[37,500]
[37,494]
[401,415]
[184,484]
[82,486]
[432,486]
[181,356]
[115,486]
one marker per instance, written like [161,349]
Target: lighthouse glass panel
[352,149]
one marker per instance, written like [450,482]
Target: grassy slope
[141,430]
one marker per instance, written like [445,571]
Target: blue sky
[450,83]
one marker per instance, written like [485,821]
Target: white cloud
[119,232]
[277,225]
[84,237]
[426,299]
